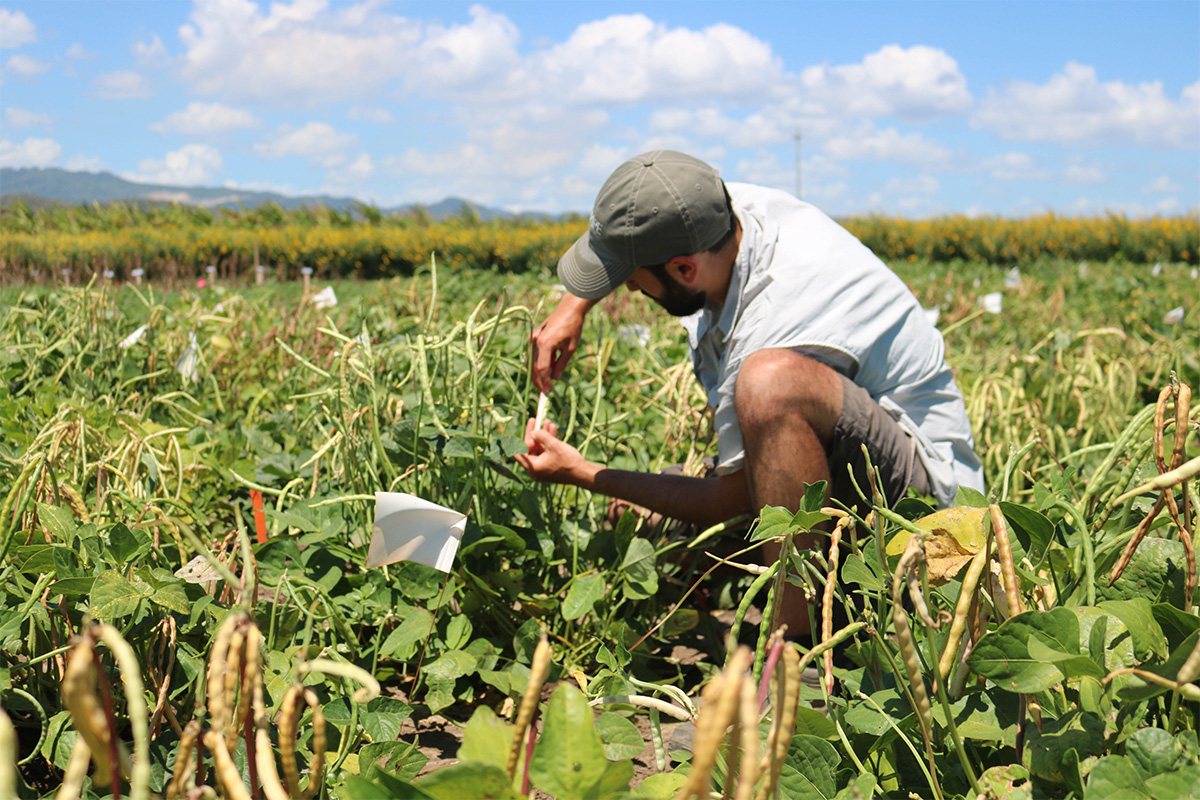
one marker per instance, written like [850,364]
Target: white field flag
[408,528]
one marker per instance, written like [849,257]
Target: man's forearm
[704,501]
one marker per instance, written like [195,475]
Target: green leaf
[773,522]
[1003,655]
[126,546]
[451,665]
[402,643]
[1153,751]
[810,515]
[60,740]
[468,779]
[569,760]
[620,737]
[1114,776]
[1138,616]
[585,592]
[811,722]
[58,521]
[169,592]
[402,759]
[855,570]
[1157,572]
[1182,784]
[383,718]
[1072,665]
[638,569]
[1032,528]
[661,786]
[1176,625]
[458,632]
[486,738]
[113,596]
[1048,746]
[810,770]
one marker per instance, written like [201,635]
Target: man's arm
[555,340]
[704,501]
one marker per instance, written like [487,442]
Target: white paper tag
[408,528]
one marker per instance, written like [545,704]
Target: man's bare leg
[788,406]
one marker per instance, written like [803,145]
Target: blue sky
[908,108]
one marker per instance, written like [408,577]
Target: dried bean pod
[784,700]
[721,698]
[835,539]
[228,777]
[87,714]
[962,610]
[1138,534]
[748,771]
[904,637]
[235,672]
[1007,569]
[184,765]
[218,709]
[538,671]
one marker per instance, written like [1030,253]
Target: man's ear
[684,269]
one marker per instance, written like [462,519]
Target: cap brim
[585,275]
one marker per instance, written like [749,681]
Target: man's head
[653,208]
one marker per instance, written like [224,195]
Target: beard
[679,301]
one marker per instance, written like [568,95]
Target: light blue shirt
[802,281]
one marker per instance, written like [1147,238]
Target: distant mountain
[72,188]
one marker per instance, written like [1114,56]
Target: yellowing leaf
[952,538]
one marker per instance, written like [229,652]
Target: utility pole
[798,164]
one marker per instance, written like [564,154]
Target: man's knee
[775,386]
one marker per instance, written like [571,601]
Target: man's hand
[551,459]
[555,340]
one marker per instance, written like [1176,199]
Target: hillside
[42,186]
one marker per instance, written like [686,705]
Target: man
[807,345]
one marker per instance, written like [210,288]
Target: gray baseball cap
[652,208]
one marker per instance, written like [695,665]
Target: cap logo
[596,226]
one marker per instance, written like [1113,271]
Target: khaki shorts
[893,451]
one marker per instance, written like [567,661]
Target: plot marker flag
[408,528]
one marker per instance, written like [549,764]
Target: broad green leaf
[169,591]
[1182,784]
[402,643]
[440,694]
[1153,751]
[1048,747]
[1138,616]
[865,718]
[811,722]
[1072,665]
[810,770]
[451,665]
[1032,529]
[383,717]
[58,521]
[458,632]
[401,759]
[620,737]
[1156,572]
[638,569]
[774,521]
[810,515]
[60,740]
[585,592]
[1114,776]
[113,596]
[569,760]
[1003,655]
[127,546]
[661,786]
[1175,624]
[855,570]
[468,779]
[486,738]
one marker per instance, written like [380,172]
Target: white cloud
[631,59]
[16,29]
[467,55]
[150,51]
[1014,166]
[1084,173]
[1075,107]
[295,54]
[79,163]
[380,116]
[887,144]
[918,83]
[189,165]
[78,52]
[206,119]
[1163,184]
[29,153]
[122,85]
[21,118]
[319,142]
[25,66]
